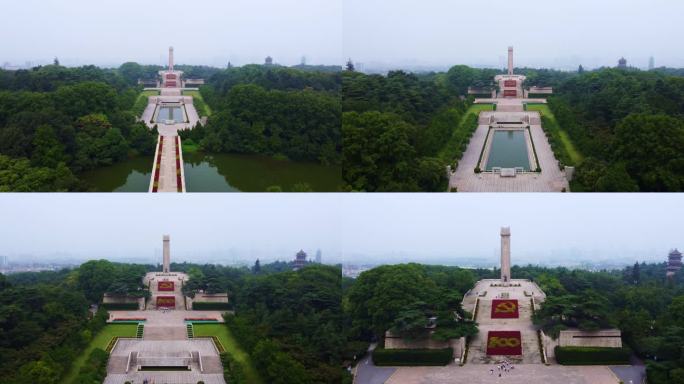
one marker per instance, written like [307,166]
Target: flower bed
[166,301]
[504,309]
[179,179]
[506,343]
[165,286]
[155,184]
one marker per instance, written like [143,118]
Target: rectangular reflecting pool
[170,113]
[508,149]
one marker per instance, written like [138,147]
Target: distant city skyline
[551,229]
[560,34]
[207,32]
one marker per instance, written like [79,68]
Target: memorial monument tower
[505,254]
[171,59]
[166,267]
[510,61]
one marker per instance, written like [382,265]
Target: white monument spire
[505,254]
[166,267]
[510,60]
[170,58]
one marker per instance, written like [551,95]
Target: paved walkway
[369,373]
[169,168]
[630,374]
[521,374]
[550,179]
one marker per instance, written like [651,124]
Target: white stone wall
[609,338]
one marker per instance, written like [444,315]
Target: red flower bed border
[155,185]
[505,309]
[507,343]
[179,180]
[129,319]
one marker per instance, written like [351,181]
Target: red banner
[510,83]
[165,286]
[504,309]
[166,301]
[507,343]
[510,92]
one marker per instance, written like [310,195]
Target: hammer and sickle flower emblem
[505,307]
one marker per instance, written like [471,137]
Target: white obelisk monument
[510,60]
[171,59]
[166,268]
[505,254]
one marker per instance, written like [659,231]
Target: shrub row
[592,355]
[210,306]
[120,306]
[400,357]
[233,371]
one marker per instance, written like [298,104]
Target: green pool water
[220,173]
[508,150]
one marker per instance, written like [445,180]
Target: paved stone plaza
[521,374]
[550,179]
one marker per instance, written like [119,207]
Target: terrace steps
[140,330]
[190,330]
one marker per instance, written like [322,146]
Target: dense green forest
[637,299]
[393,128]
[629,124]
[289,322]
[272,110]
[45,322]
[400,131]
[56,122]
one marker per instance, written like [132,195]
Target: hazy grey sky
[202,226]
[545,33]
[228,227]
[108,32]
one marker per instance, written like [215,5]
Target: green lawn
[141,102]
[202,108]
[101,340]
[477,108]
[222,332]
[565,139]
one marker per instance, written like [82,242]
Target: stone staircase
[477,352]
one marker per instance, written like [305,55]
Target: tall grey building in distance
[651,63]
[319,256]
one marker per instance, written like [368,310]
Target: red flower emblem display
[504,343]
[166,301]
[505,309]
[165,286]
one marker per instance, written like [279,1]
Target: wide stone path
[168,181]
[521,374]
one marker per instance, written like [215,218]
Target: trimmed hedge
[408,357]
[120,306]
[592,355]
[209,306]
